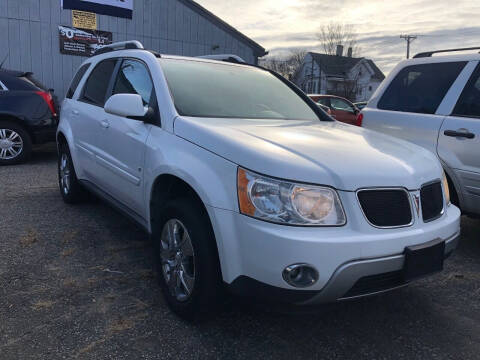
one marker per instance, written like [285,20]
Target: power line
[409,39]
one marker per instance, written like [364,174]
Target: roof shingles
[341,65]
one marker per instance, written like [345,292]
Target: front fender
[212,177]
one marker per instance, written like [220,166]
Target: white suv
[434,101]
[245,184]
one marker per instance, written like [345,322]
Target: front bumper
[369,277]
[254,253]
[351,280]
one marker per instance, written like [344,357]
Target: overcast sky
[282,24]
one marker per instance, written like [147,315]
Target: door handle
[105,124]
[454,133]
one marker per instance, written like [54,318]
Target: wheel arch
[453,186]
[5,116]
[169,186]
[64,135]
[61,139]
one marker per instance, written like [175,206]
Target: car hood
[329,153]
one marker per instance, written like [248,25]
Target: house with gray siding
[355,78]
[29,35]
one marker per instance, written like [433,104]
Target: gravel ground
[76,282]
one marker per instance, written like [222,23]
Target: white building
[346,76]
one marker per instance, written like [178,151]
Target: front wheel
[186,259]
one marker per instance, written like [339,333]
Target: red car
[341,109]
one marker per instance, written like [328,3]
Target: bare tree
[335,34]
[287,65]
[296,57]
[276,64]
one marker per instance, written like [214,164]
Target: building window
[370,88]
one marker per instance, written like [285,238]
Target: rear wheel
[186,259]
[70,188]
[15,143]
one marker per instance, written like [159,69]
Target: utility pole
[409,39]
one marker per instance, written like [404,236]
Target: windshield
[203,89]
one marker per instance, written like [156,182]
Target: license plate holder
[423,259]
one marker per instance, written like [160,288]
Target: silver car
[434,101]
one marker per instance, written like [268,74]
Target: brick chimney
[339,50]
[350,52]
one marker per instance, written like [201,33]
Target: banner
[82,42]
[119,8]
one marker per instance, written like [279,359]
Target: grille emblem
[416,198]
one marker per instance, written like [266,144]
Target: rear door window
[420,88]
[468,104]
[95,89]
[324,101]
[339,104]
[76,80]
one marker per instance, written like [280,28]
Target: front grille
[386,207]
[376,283]
[431,196]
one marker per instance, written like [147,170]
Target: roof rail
[121,45]
[224,57]
[430,53]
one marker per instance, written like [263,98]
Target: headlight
[446,190]
[285,202]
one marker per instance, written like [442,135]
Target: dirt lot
[76,282]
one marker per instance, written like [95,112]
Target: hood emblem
[416,198]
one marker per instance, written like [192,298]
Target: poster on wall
[84,20]
[82,42]
[118,8]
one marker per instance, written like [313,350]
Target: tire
[15,143]
[198,261]
[70,188]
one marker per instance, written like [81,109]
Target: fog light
[300,275]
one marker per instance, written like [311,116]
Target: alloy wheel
[11,144]
[178,259]
[65,173]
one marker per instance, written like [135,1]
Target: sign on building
[82,42]
[119,8]
[84,20]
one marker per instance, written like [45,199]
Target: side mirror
[126,105]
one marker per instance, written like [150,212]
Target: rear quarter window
[76,80]
[420,88]
[30,78]
[468,104]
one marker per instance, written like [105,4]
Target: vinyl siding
[29,35]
